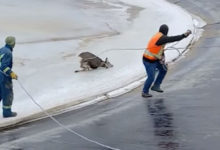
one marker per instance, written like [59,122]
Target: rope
[168,48]
[60,124]
[172,47]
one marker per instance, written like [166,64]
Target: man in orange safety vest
[153,58]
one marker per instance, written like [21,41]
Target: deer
[90,61]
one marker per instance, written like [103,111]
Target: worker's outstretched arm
[168,39]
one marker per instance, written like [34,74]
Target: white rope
[61,125]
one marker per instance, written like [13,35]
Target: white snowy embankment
[49,41]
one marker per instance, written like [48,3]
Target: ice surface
[50,35]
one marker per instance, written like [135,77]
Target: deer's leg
[85,65]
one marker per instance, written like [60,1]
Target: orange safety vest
[153,51]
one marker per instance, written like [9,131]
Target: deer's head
[106,63]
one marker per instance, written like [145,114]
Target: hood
[164,29]
[10,41]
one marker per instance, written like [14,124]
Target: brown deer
[90,61]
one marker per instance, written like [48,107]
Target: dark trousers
[151,68]
[6,92]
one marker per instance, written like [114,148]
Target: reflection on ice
[163,124]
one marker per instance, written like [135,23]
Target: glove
[13,76]
[187,33]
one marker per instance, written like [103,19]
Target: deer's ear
[106,59]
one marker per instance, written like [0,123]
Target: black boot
[8,113]
[145,95]
[156,88]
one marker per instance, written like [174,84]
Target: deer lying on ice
[90,61]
